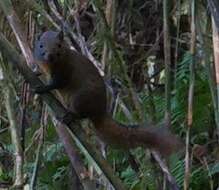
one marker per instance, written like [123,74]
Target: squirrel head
[49,46]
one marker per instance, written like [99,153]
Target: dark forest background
[160,60]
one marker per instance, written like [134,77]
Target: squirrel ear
[61,35]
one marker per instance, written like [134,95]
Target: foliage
[135,44]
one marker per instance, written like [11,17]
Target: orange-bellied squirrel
[83,93]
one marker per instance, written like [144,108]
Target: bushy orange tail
[131,137]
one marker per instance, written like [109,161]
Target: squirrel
[83,93]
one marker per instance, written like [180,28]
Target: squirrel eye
[42,54]
[59,45]
[41,46]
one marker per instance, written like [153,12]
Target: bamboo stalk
[167,59]
[19,176]
[178,19]
[216,64]
[210,74]
[190,95]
